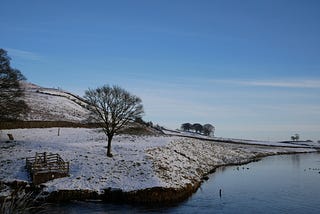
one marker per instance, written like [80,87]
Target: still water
[277,184]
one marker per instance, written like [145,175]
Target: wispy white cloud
[274,83]
[23,54]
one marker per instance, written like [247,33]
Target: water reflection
[276,184]
[295,160]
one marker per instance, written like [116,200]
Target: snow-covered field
[85,149]
[139,161]
[53,105]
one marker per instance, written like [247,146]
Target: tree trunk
[109,146]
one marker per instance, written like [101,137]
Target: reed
[22,201]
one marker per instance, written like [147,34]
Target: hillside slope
[49,104]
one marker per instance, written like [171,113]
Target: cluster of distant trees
[206,129]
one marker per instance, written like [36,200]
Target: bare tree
[208,129]
[113,107]
[295,137]
[197,127]
[12,105]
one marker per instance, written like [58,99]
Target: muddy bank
[150,195]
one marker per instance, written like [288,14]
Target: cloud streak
[23,54]
[315,84]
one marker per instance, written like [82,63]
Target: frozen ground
[139,161]
[302,144]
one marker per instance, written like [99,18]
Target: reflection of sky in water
[278,184]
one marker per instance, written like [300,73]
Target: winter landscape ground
[139,162]
[169,160]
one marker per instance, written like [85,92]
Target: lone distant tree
[208,129]
[295,137]
[186,126]
[197,127]
[12,105]
[112,108]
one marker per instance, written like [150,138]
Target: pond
[276,184]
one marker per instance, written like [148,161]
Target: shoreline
[158,195]
[143,169]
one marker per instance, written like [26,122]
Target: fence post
[10,137]
[36,161]
[45,157]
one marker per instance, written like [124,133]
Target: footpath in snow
[139,162]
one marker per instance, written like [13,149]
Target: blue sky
[251,68]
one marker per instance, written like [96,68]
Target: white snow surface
[302,144]
[138,162]
[48,104]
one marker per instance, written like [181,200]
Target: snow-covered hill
[49,104]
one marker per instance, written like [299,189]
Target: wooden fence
[44,167]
